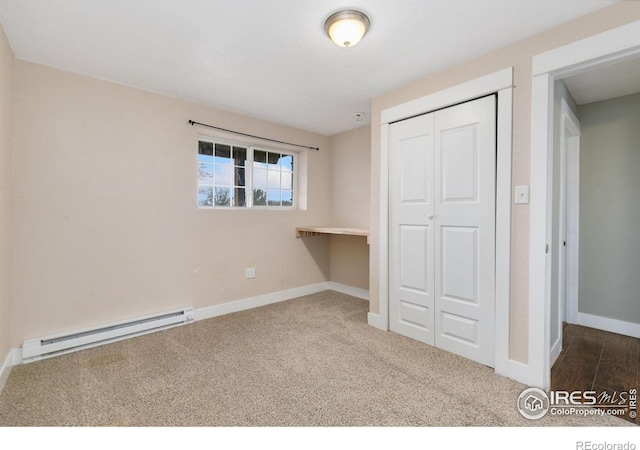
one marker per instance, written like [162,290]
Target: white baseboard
[5,368]
[607,324]
[275,297]
[254,302]
[376,321]
[349,290]
[519,372]
[556,348]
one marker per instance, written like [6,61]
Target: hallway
[597,360]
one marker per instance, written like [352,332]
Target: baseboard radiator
[35,349]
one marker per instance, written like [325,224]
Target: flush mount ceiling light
[346,28]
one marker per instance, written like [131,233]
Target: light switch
[522,195]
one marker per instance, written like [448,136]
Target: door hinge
[546,248]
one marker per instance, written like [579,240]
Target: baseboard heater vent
[35,349]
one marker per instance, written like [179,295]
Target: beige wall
[350,200]
[106,225]
[6,93]
[519,56]
[351,177]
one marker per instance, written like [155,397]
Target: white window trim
[249,174]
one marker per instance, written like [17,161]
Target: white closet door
[442,228]
[411,272]
[465,161]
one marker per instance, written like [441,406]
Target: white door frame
[568,210]
[569,214]
[500,82]
[580,56]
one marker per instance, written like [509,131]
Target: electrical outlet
[250,272]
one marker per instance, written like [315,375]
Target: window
[243,176]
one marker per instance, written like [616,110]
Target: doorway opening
[550,279]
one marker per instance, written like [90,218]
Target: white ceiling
[610,81]
[271,59]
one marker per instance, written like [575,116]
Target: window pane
[205,173]
[224,175]
[286,180]
[205,196]
[272,159]
[260,178]
[274,180]
[259,197]
[239,156]
[286,163]
[222,196]
[239,179]
[223,154]
[260,156]
[273,197]
[287,198]
[239,197]
[205,151]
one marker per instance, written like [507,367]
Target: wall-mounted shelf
[319,231]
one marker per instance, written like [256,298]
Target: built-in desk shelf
[318,231]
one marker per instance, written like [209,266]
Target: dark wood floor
[598,361]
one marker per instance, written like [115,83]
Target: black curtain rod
[191,122]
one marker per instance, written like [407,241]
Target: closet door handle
[430,217]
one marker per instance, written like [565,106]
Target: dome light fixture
[346,28]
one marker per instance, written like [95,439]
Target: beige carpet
[312,361]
